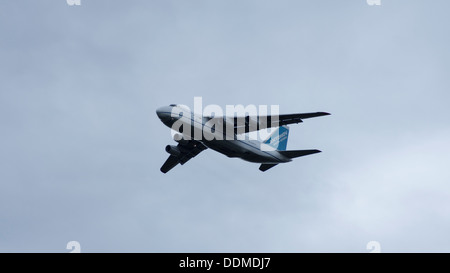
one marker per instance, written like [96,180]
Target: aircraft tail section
[291,154]
[278,139]
[298,153]
[265,167]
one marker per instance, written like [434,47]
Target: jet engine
[180,139]
[173,150]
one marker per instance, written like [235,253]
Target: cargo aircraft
[196,133]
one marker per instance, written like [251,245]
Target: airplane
[269,153]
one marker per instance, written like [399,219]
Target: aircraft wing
[254,123]
[182,153]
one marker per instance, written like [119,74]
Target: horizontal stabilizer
[298,153]
[312,115]
[265,167]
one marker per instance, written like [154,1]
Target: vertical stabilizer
[278,139]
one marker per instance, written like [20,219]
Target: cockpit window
[173,105]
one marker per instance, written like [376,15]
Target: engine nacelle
[173,150]
[180,139]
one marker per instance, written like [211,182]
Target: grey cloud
[81,144]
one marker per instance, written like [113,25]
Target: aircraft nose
[164,112]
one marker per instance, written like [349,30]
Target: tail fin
[279,138]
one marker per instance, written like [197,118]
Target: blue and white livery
[225,136]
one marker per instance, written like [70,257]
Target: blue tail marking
[278,139]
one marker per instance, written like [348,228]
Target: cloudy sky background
[81,145]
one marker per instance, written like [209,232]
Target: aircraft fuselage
[218,139]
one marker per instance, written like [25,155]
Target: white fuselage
[194,126]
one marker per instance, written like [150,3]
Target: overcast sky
[81,145]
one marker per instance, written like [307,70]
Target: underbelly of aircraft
[241,150]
